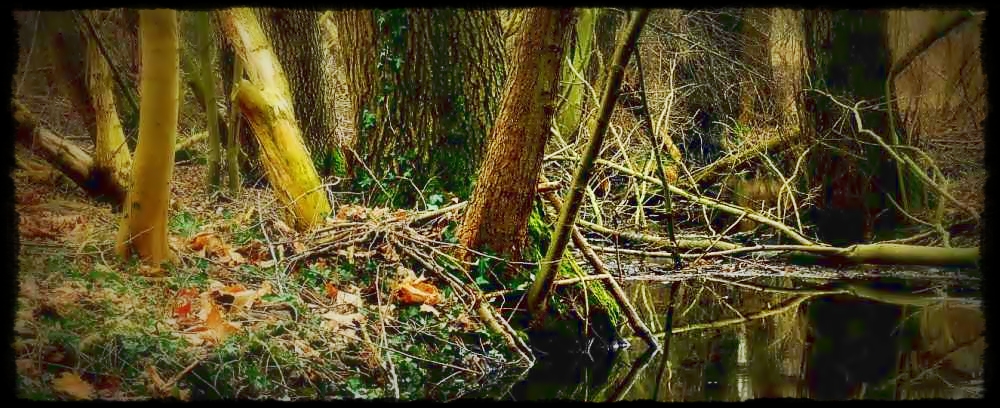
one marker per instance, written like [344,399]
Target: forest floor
[228,321]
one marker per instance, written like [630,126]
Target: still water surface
[827,347]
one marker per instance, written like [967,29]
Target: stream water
[828,347]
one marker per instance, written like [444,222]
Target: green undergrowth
[118,330]
[591,293]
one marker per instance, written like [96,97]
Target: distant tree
[848,57]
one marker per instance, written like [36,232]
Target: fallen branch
[711,202]
[656,240]
[710,173]
[65,156]
[610,284]
[901,158]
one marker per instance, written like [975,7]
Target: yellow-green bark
[144,227]
[112,158]
[283,154]
[251,46]
[266,102]
[207,78]
[574,90]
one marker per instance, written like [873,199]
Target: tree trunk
[284,156]
[542,286]
[266,102]
[67,50]
[296,39]
[112,157]
[205,77]
[755,95]
[424,86]
[576,93]
[496,219]
[144,226]
[847,56]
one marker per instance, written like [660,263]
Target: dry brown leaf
[153,271]
[265,289]
[71,384]
[347,298]
[331,290]
[218,328]
[303,349]
[417,292]
[389,253]
[254,252]
[352,213]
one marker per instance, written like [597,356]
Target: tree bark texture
[496,219]
[296,38]
[424,85]
[112,157]
[67,50]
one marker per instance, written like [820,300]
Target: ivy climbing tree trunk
[143,229]
[497,216]
[424,85]
[296,38]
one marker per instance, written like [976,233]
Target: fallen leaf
[218,328]
[347,298]
[26,367]
[265,289]
[153,271]
[183,309]
[283,228]
[389,253]
[71,384]
[336,320]
[29,289]
[430,309]
[331,291]
[255,252]
[415,292]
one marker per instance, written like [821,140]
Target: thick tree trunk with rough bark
[496,219]
[296,38]
[424,85]
[144,226]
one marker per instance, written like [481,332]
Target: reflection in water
[798,344]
